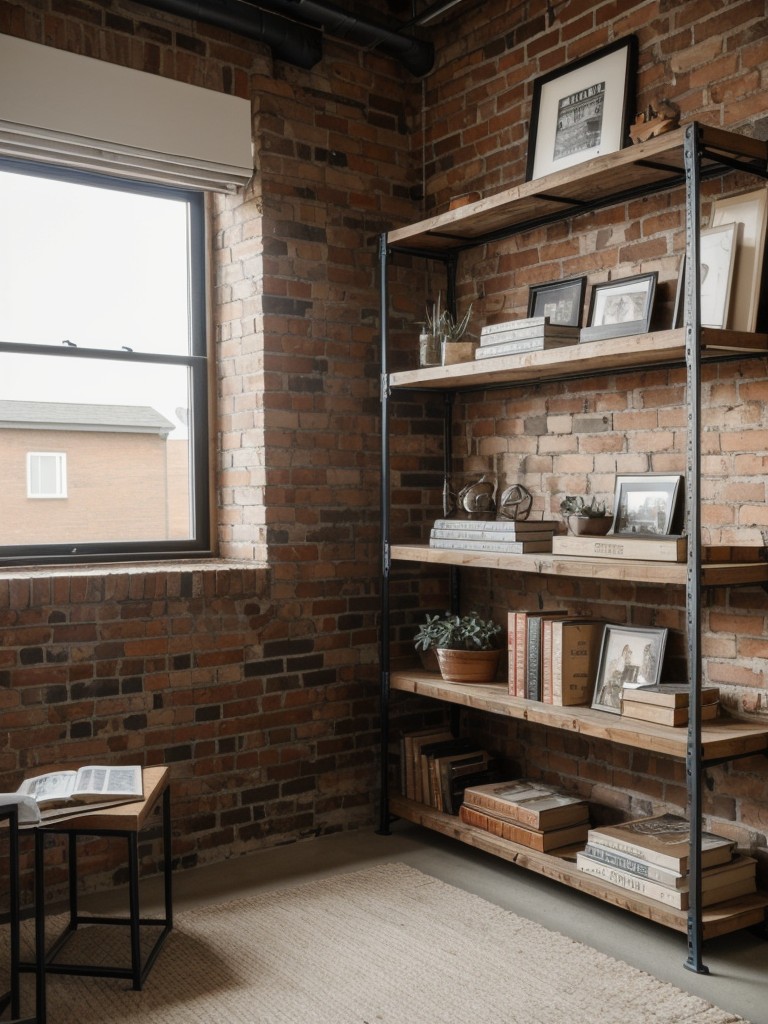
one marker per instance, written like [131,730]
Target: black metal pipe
[289,41]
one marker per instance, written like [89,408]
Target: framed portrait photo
[646,505]
[630,656]
[617,308]
[561,301]
[749,211]
[583,110]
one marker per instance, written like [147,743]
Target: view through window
[102,368]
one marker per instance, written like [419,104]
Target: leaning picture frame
[561,301]
[618,308]
[630,657]
[583,110]
[647,505]
[749,210]
[717,254]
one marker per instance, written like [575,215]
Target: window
[46,475]
[103,368]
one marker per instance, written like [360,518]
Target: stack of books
[650,857]
[436,767]
[533,334]
[506,536]
[667,703]
[529,813]
[553,657]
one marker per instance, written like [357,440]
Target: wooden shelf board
[600,182]
[713,574]
[726,738]
[718,920]
[635,350]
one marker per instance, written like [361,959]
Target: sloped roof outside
[141,419]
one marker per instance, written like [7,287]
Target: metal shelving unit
[682,158]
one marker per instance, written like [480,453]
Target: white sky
[100,268]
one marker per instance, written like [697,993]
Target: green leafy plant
[457,632]
[442,323]
[575,506]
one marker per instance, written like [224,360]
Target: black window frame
[198,545]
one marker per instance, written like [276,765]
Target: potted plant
[585,520]
[453,349]
[465,645]
[429,339]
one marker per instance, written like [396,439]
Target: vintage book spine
[522,324]
[507,536]
[511,547]
[533,659]
[575,653]
[511,651]
[677,898]
[534,839]
[711,878]
[651,549]
[546,661]
[516,346]
[522,526]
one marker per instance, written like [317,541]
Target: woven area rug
[386,945]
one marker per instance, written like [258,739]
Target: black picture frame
[647,505]
[621,307]
[630,657]
[583,110]
[561,301]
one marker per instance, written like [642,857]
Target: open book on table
[60,794]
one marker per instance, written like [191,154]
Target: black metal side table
[9,813]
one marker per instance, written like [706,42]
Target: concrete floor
[738,963]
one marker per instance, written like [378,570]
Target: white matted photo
[717,253]
[582,110]
[750,211]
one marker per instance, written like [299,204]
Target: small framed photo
[749,211]
[583,110]
[561,301]
[717,252]
[630,656]
[617,308]
[646,505]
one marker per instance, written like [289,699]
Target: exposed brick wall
[258,686]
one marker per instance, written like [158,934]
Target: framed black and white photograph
[748,210]
[618,308]
[646,505]
[717,253]
[630,656]
[583,110]
[561,301]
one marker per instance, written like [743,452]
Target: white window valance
[61,108]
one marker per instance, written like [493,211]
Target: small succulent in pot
[586,518]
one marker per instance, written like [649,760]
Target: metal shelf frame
[706,153]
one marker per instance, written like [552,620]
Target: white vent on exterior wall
[61,108]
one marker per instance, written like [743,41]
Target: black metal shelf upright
[706,153]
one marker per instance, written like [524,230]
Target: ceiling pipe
[296,37]
[289,41]
[415,55]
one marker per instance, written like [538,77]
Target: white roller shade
[58,107]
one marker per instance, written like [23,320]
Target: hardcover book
[575,653]
[641,549]
[532,804]
[506,547]
[711,878]
[534,839]
[677,898]
[521,526]
[662,839]
[672,695]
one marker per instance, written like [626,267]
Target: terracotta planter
[589,526]
[468,666]
[428,660]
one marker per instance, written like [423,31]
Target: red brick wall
[259,686]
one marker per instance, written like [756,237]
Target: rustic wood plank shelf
[651,166]
[713,574]
[658,348]
[721,919]
[726,738]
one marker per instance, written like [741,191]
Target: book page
[98,780]
[52,786]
